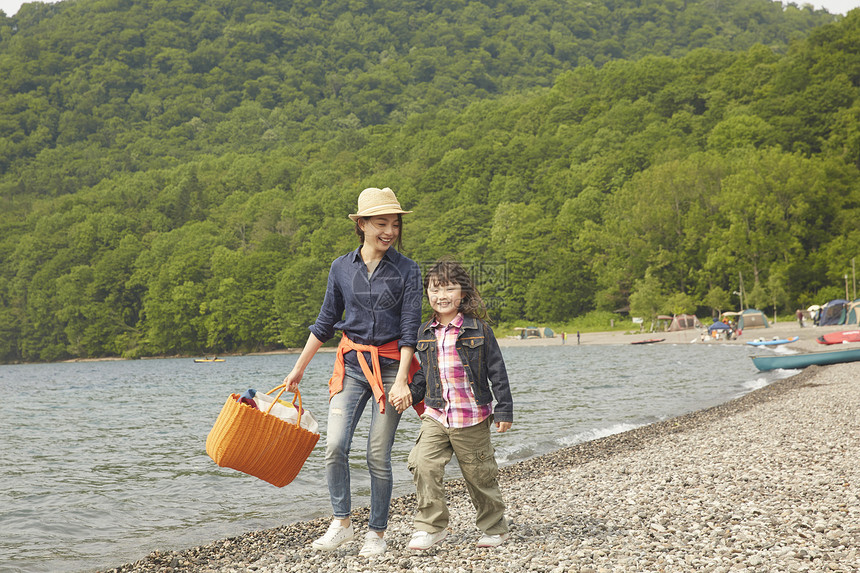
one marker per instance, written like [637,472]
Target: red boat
[839,337]
[649,341]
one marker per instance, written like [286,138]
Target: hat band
[377,209]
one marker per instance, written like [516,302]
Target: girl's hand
[502,427]
[399,396]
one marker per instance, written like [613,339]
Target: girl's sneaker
[334,537]
[422,540]
[493,540]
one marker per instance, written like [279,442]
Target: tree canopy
[175,176]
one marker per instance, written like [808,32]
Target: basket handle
[296,396]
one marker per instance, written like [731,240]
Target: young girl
[462,370]
[374,296]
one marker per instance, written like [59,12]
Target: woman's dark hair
[448,271]
[398,242]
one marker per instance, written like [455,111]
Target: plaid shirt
[461,410]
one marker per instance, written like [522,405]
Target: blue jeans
[344,411]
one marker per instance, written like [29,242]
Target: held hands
[502,427]
[399,396]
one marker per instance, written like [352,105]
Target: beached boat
[791,361]
[198,360]
[648,341]
[839,337]
[774,342]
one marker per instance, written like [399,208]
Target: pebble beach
[766,482]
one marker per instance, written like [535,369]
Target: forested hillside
[175,176]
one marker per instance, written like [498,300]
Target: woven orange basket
[258,443]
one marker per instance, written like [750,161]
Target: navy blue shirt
[371,310]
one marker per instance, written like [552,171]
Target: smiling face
[380,231]
[444,300]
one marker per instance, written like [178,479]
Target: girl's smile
[445,300]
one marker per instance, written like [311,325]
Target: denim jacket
[482,361]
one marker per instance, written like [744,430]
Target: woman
[373,296]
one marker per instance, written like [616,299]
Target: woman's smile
[381,231]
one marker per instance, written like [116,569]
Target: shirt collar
[457,322]
[391,254]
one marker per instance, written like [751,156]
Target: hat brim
[377,212]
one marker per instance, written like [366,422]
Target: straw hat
[373,201]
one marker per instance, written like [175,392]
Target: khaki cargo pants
[427,460]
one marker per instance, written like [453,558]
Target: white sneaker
[493,540]
[334,537]
[373,545]
[422,540]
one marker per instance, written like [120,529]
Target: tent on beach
[684,322]
[752,318]
[535,332]
[852,312]
[833,312]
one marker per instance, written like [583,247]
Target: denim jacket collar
[469,322]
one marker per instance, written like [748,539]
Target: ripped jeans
[344,411]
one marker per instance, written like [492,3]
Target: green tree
[298,296]
[718,300]
[758,297]
[647,300]
[681,303]
[517,231]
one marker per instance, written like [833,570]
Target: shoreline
[807,342]
[769,480]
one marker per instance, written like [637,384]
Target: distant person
[577,337]
[799,315]
[373,296]
[462,371]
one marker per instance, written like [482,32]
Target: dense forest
[175,175]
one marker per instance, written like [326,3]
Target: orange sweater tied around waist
[387,350]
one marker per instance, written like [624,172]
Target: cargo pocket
[485,469]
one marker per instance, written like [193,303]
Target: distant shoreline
[807,335]
[807,342]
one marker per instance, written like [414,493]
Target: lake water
[104,462]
